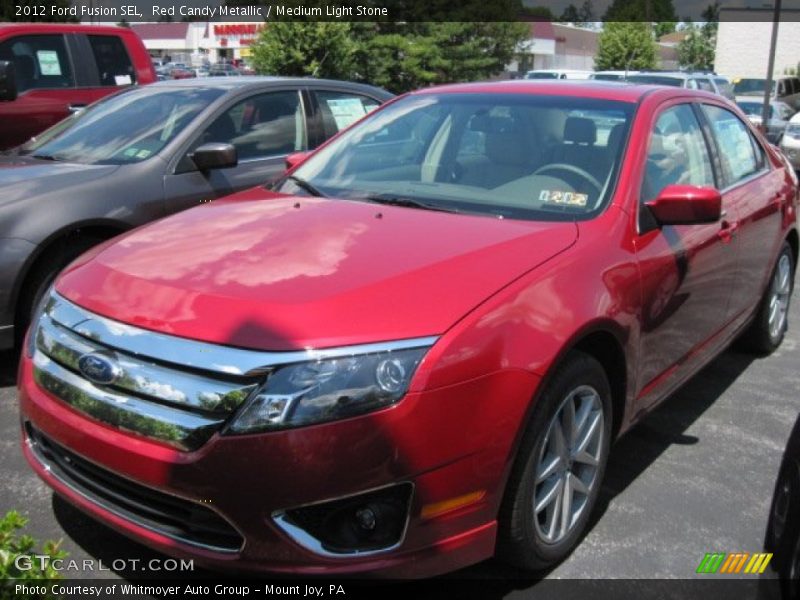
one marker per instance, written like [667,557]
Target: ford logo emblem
[99,368]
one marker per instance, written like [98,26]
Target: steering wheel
[571,169]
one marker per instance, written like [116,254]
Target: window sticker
[143,154]
[122,79]
[48,62]
[130,152]
[563,198]
[346,111]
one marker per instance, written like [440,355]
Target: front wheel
[772,319]
[557,475]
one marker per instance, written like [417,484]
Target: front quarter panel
[530,324]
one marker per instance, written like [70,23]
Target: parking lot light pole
[765,110]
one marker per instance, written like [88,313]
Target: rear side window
[113,63]
[40,61]
[341,109]
[740,154]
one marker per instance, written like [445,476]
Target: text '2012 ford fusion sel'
[413,351]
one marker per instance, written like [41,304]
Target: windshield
[751,86]
[657,80]
[515,155]
[125,128]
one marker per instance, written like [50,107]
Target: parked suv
[785,89]
[708,82]
[416,348]
[48,71]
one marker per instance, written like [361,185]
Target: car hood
[271,272]
[24,177]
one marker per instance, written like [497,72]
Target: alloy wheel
[569,460]
[779,298]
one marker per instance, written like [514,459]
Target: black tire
[520,540]
[760,337]
[43,275]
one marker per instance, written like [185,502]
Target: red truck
[48,71]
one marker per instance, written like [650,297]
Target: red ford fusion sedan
[414,351]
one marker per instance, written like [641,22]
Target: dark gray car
[145,153]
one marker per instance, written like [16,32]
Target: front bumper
[449,443]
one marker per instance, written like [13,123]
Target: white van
[557,74]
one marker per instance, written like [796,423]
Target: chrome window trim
[186,352]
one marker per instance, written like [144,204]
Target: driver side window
[677,153]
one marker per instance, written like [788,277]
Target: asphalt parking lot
[696,476]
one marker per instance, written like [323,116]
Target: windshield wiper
[405,202]
[305,185]
[46,157]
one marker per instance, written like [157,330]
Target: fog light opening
[370,522]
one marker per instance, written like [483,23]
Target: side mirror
[295,159]
[686,205]
[8,81]
[215,156]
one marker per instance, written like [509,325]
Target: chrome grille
[175,390]
[178,404]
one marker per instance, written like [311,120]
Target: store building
[560,46]
[198,42]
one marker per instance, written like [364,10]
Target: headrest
[615,136]
[580,130]
[488,124]
[24,66]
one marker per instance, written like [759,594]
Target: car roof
[259,81]
[587,88]
[62,28]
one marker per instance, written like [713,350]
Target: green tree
[402,57]
[298,48]
[697,49]
[8,10]
[580,17]
[651,11]
[664,27]
[626,46]
[539,13]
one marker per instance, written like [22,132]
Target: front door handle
[75,108]
[727,231]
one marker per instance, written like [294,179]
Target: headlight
[36,315]
[327,390]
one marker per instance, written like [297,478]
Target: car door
[752,191]
[264,128]
[687,271]
[46,85]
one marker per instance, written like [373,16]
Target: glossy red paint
[308,272]
[508,299]
[686,205]
[37,109]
